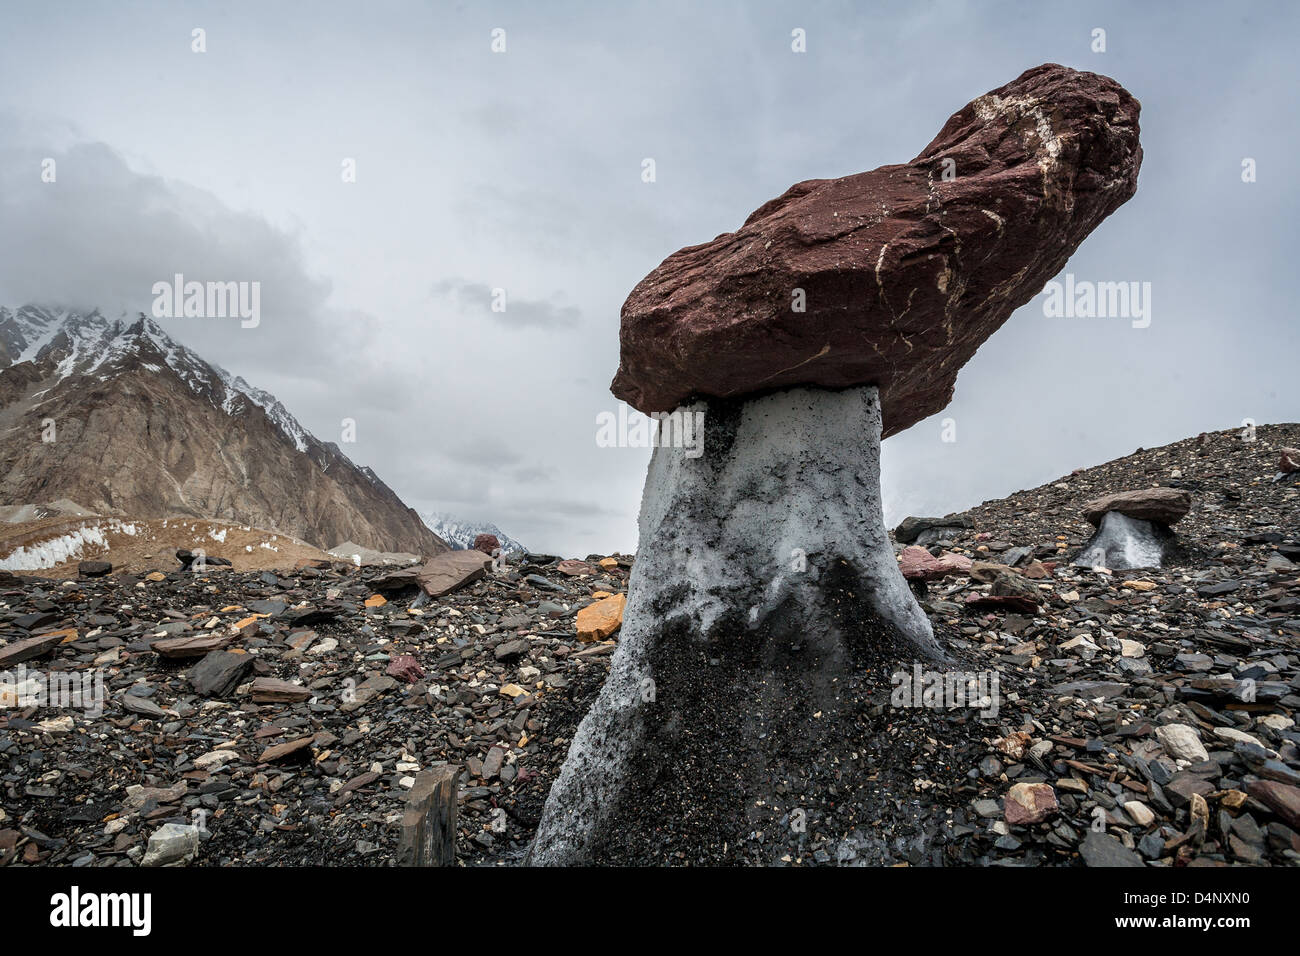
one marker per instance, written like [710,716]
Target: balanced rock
[1289,461]
[1133,528]
[487,543]
[1162,505]
[765,582]
[892,277]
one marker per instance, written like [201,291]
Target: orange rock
[608,563]
[376,600]
[155,576]
[241,624]
[598,621]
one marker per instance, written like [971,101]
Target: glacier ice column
[763,576]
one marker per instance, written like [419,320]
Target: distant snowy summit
[461,534]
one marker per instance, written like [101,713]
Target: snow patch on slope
[65,547]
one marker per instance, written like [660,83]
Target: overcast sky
[521,170]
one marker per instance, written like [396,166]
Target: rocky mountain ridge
[116,415]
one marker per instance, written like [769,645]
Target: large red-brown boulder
[902,272]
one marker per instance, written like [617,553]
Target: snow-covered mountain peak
[461,534]
[214,454]
[88,343]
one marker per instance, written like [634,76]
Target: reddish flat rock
[918,564]
[903,271]
[405,667]
[1165,505]
[280,751]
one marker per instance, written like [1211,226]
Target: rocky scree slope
[1122,735]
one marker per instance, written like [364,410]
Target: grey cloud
[534,475]
[102,234]
[488,452]
[476,298]
[567,508]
